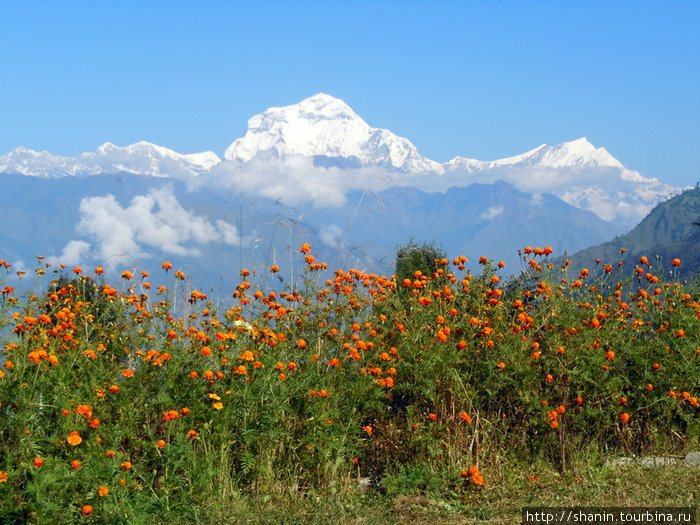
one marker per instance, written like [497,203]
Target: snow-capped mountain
[323,125]
[319,149]
[142,158]
[577,172]
[578,153]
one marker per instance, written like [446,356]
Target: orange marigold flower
[75,464]
[432,417]
[680,333]
[126,274]
[676,262]
[160,443]
[84,410]
[171,414]
[501,365]
[110,453]
[38,462]
[74,438]
[624,417]
[167,266]
[466,417]
[192,434]
[126,465]
[86,510]
[128,373]
[102,491]
[305,248]
[367,429]
[610,355]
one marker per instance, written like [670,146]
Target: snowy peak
[577,153]
[137,155]
[321,106]
[142,158]
[322,125]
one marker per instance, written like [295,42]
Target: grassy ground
[511,488]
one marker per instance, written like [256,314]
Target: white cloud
[296,179]
[73,253]
[331,235]
[152,221]
[492,213]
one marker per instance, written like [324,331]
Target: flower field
[122,402]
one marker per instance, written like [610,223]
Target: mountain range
[313,171]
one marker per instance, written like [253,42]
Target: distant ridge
[670,231]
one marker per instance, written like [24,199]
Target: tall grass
[119,407]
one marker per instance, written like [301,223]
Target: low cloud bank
[616,195]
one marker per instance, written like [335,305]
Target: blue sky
[482,79]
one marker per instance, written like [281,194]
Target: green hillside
[670,231]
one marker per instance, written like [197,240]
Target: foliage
[122,405]
[414,257]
